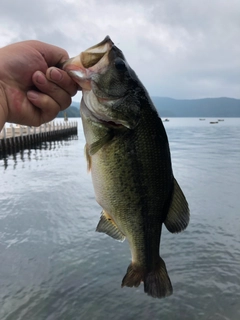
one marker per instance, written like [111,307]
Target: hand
[32,90]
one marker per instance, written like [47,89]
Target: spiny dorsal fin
[178,215]
[108,226]
[97,145]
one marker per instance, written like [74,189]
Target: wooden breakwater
[17,138]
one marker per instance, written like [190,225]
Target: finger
[27,114]
[62,79]
[52,54]
[49,88]
[46,107]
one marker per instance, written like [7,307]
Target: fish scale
[128,155]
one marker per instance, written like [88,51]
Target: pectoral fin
[178,215]
[88,157]
[97,145]
[108,226]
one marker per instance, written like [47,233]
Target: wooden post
[28,137]
[4,133]
[23,137]
[13,132]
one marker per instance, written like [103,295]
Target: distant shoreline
[189,108]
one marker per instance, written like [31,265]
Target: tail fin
[156,283]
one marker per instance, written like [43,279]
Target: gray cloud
[181,49]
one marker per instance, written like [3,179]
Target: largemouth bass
[128,155]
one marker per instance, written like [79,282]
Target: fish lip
[83,68]
[94,60]
[84,76]
[90,61]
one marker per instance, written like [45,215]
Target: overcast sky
[182,49]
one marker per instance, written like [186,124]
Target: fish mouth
[92,56]
[91,61]
[83,69]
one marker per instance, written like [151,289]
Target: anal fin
[178,214]
[108,226]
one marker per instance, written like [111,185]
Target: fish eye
[119,64]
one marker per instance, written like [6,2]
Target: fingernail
[55,74]
[41,78]
[32,95]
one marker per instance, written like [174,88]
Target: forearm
[2,118]
[3,99]
[3,115]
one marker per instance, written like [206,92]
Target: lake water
[53,265]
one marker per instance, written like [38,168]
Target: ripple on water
[54,265]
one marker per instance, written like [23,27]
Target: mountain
[168,107]
[208,107]
[72,112]
[75,104]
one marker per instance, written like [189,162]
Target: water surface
[53,265]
